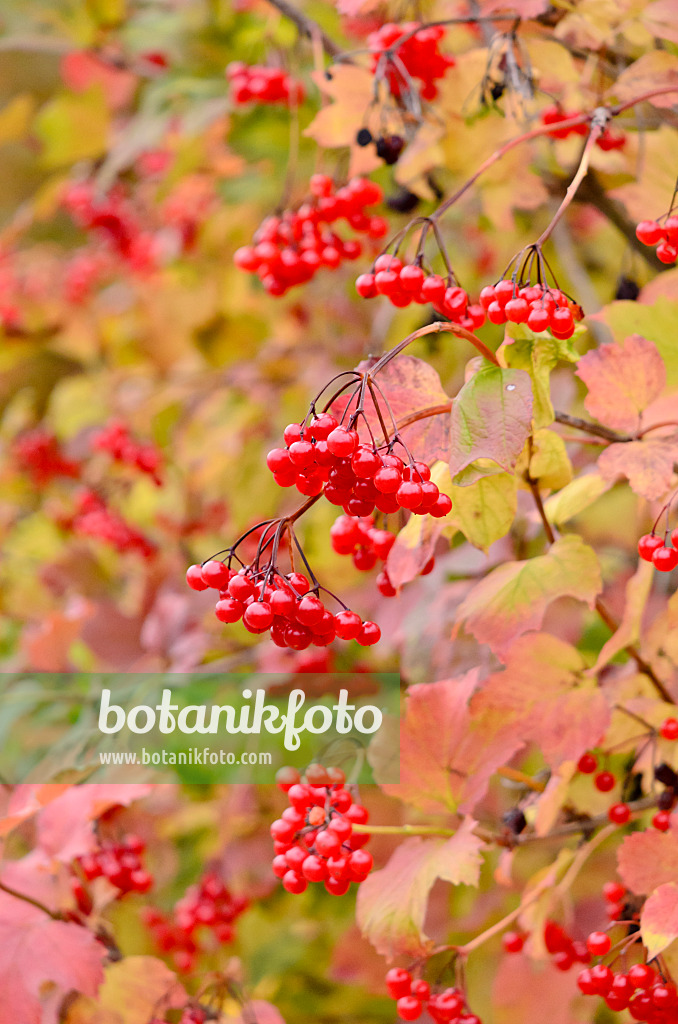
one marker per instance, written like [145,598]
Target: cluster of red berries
[555,114]
[616,897]
[115,438]
[413,996]
[93,518]
[417,57]
[536,305]
[82,274]
[664,236]
[563,949]
[207,911]
[641,990]
[260,84]
[313,840]
[403,284]
[290,249]
[620,813]
[112,218]
[327,457]
[359,537]
[653,549]
[39,454]
[283,606]
[119,863]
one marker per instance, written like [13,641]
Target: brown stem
[307,26]
[633,652]
[591,428]
[548,529]
[437,327]
[29,899]
[597,129]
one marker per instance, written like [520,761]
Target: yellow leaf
[135,990]
[351,90]
[73,127]
[15,118]
[550,465]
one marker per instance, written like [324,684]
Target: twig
[643,665]
[591,428]
[29,899]
[307,26]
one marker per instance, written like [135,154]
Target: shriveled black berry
[515,820]
[665,774]
[389,148]
[364,137]
[666,799]
[627,289]
[403,201]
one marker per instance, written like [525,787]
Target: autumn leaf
[134,990]
[576,496]
[648,859]
[65,827]
[648,465]
[391,904]
[491,419]
[549,464]
[538,355]
[545,696]
[654,322]
[659,919]
[513,598]
[73,127]
[413,548]
[404,387]
[351,88]
[637,592]
[654,70]
[485,510]
[446,757]
[34,950]
[622,381]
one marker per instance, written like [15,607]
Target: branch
[592,428]
[643,665]
[307,26]
[29,899]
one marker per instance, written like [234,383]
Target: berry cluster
[39,454]
[313,840]
[207,911]
[259,84]
[416,57]
[536,305]
[555,114]
[359,537]
[328,457]
[290,249]
[119,863]
[404,284]
[93,518]
[82,274]
[641,990]
[664,236]
[653,549]
[283,606]
[113,219]
[116,439]
[413,996]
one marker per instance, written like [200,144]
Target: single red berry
[294,882]
[369,634]
[598,943]
[619,814]
[669,729]
[513,942]
[614,892]
[649,232]
[398,982]
[258,616]
[587,763]
[365,286]
[229,610]
[421,990]
[642,976]
[216,574]
[342,442]
[648,544]
[409,494]
[348,624]
[665,559]
[666,252]
[409,1008]
[194,578]
[662,821]
[604,781]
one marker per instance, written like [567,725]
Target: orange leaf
[622,381]
[659,919]
[648,465]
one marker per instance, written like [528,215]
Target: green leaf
[491,419]
[514,597]
[483,511]
[538,354]
[575,497]
[73,127]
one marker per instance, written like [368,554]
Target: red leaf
[545,696]
[392,902]
[446,757]
[659,919]
[648,859]
[34,949]
[622,381]
[65,827]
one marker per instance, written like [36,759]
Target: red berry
[369,634]
[662,821]
[513,942]
[398,982]
[641,975]
[365,286]
[665,559]
[649,232]
[666,252]
[294,882]
[619,814]
[409,494]
[229,610]
[342,442]
[409,1008]
[648,544]
[598,943]
[194,578]
[669,729]
[216,574]
[587,763]
[605,781]
[348,625]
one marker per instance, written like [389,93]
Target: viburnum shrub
[469,480]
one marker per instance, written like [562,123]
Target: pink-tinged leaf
[136,990]
[258,1011]
[446,757]
[545,696]
[34,950]
[409,386]
[491,419]
[648,465]
[514,597]
[522,8]
[391,904]
[622,381]
[25,800]
[648,859]
[659,919]
[655,70]
[523,988]
[660,18]
[413,548]
[65,828]
[629,631]
[80,70]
